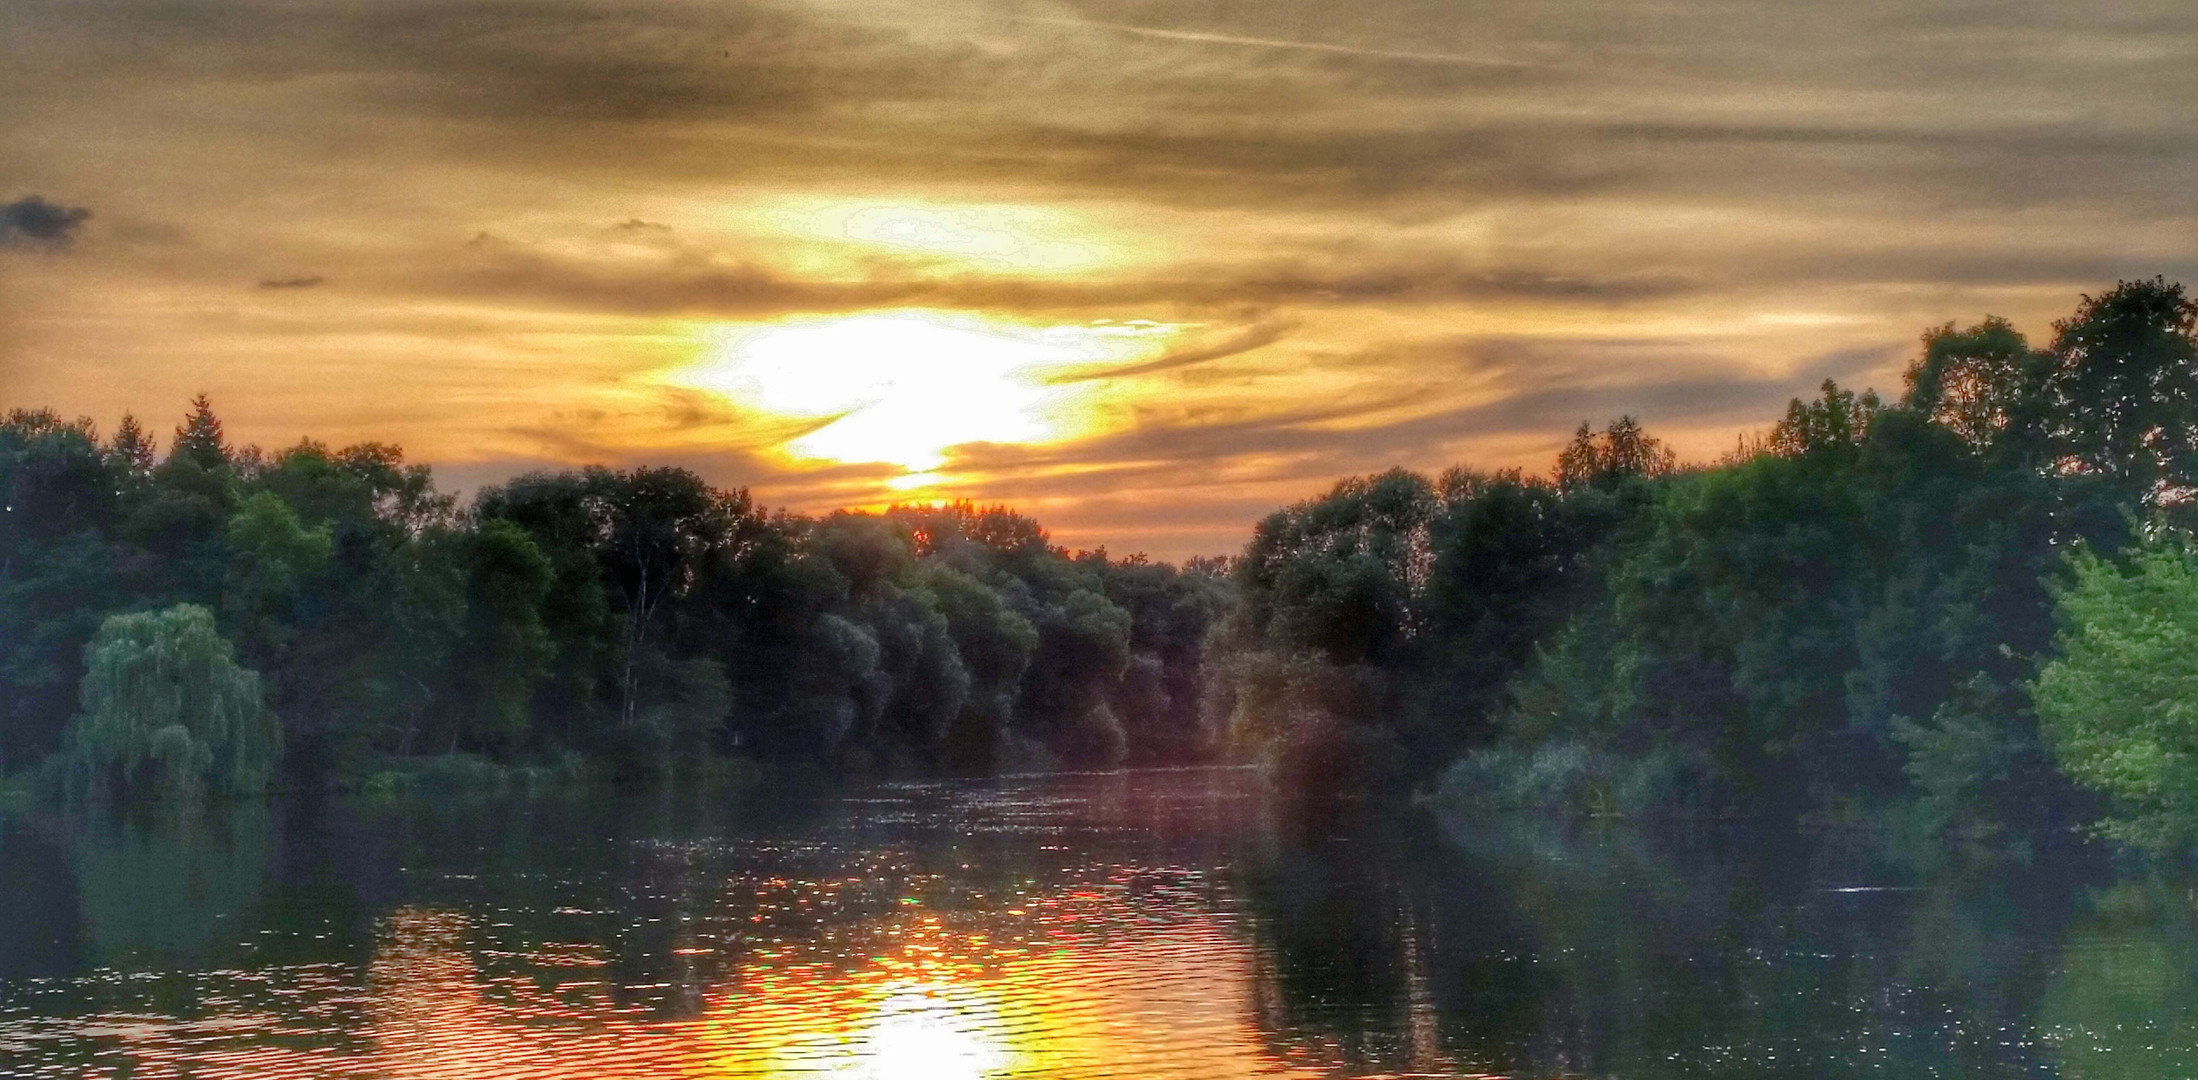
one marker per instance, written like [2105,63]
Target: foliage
[1621,450]
[1850,613]
[1842,617]
[1427,598]
[642,618]
[2120,700]
[58,573]
[166,709]
[2122,398]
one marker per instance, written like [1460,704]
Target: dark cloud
[302,281]
[33,222]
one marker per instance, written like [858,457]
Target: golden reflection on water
[946,1003]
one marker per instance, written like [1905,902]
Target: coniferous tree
[132,445]
[199,438]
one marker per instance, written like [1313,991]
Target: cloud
[686,279]
[1546,389]
[1415,229]
[1333,48]
[1257,336]
[33,222]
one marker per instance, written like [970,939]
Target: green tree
[59,574]
[167,710]
[505,649]
[271,556]
[2119,700]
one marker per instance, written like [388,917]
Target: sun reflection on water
[1051,997]
[928,1033]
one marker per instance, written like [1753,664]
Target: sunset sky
[1144,270]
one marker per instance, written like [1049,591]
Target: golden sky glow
[1145,271]
[991,237]
[904,387]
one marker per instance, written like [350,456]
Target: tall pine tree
[199,440]
[133,446]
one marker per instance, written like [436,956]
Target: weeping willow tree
[167,711]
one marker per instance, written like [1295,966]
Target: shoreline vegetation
[1970,612]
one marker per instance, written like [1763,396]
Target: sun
[904,387]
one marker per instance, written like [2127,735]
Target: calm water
[1143,925]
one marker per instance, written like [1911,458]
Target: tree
[59,575]
[1623,449]
[167,710]
[271,556]
[657,525]
[1340,573]
[199,439]
[2119,701]
[629,548]
[1985,384]
[1837,419]
[2124,390]
[1514,559]
[132,445]
[504,650]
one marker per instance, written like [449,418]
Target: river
[1152,925]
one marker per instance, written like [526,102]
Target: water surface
[1170,924]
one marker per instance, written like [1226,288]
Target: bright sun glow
[904,387]
[928,1034]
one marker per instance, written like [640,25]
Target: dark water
[1143,925]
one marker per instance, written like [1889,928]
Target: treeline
[1975,606]
[231,618]
[1918,607]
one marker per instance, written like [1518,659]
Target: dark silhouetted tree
[132,446]
[199,439]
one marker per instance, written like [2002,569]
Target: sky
[1144,270]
